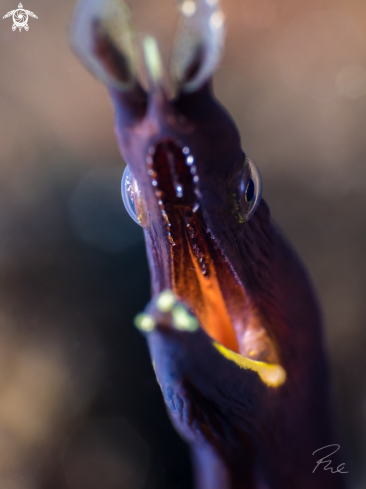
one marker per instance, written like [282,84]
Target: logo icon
[20,17]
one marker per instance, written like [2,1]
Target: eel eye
[249,191]
[131,196]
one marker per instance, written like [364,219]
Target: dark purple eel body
[243,434]
[238,277]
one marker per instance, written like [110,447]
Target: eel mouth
[201,275]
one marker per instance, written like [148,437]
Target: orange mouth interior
[200,274]
[202,291]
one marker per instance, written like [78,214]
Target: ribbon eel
[233,327]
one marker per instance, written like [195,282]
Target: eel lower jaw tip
[165,310]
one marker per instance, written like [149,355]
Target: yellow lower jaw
[271,375]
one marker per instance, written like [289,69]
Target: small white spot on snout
[166,301]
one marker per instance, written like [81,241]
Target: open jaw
[200,274]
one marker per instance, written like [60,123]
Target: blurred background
[79,404]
